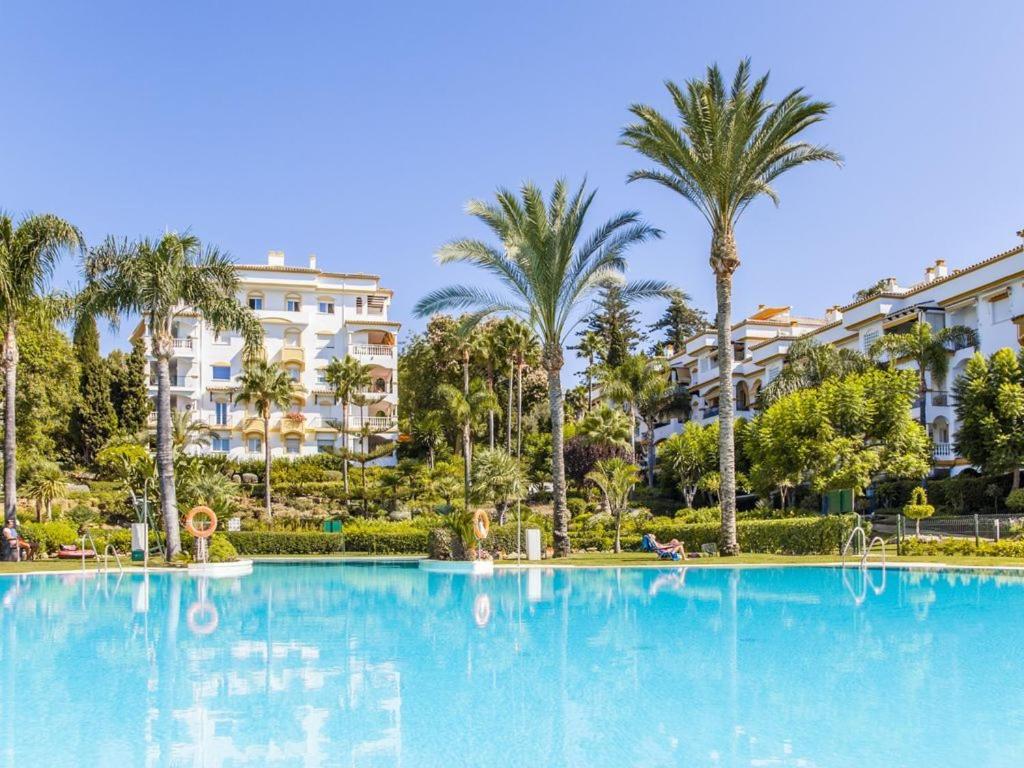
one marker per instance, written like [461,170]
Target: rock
[249,478]
[236,478]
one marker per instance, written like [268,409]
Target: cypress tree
[129,392]
[615,323]
[93,420]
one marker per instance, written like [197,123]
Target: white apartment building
[309,317]
[987,296]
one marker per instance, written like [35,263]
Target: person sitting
[673,550]
[15,548]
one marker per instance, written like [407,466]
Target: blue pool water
[374,665]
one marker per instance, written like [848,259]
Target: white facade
[308,317]
[987,296]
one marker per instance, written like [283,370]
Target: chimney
[929,274]
[940,268]
[275,258]
[312,261]
[889,286]
[832,314]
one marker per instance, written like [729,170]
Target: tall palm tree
[265,386]
[592,347]
[428,430]
[929,350]
[467,409]
[808,364]
[349,379]
[624,385]
[520,344]
[615,478]
[548,269]
[655,396]
[728,148]
[159,280]
[606,426]
[29,252]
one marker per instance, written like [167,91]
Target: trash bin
[140,542]
[533,543]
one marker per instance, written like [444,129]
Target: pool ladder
[107,552]
[857,535]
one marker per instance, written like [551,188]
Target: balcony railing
[182,343]
[711,412]
[372,350]
[376,423]
[176,381]
[942,450]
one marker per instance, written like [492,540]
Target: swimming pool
[385,665]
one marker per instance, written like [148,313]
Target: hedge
[959,495]
[956,546]
[363,536]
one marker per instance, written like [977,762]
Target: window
[293,303]
[220,443]
[870,338]
[254,444]
[220,413]
[293,372]
[1001,308]
[221,337]
[323,400]
[772,372]
[292,445]
[292,338]
[255,301]
[324,444]
[325,307]
[375,305]
[324,341]
[359,305]
[321,376]
[222,373]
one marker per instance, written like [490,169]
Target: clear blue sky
[359,131]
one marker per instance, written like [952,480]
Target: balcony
[375,423]
[293,356]
[380,353]
[943,451]
[179,382]
[182,345]
[709,413]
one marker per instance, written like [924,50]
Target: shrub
[440,544]
[576,506]
[386,538]
[221,549]
[1015,501]
[281,543]
[788,536]
[918,508]
[700,515]
[953,546]
[48,537]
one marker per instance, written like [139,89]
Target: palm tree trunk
[490,411]
[344,448]
[430,456]
[590,382]
[165,447]
[560,518]
[519,411]
[924,399]
[39,510]
[508,411]
[632,434]
[467,460]
[724,261]
[651,454]
[268,514]
[10,423]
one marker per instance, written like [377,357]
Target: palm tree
[928,349]
[467,409]
[654,398]
[592,347]
[428,430]
[808,364]
[499,479]
[46,485]
[606,426]
[729,146]
[549,270]
[188,432]
[520,344]
[348,378]
[159,280]
[615,478]
[29,252]
[265,386]
[638,378]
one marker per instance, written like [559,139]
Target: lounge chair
[649,544]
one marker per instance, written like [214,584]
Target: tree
[928,350]
[188,434]
[918,509]
[265,386]
[548,270]
[990,410]
[160,279]
[606,426]
[877,287]
[428,431]
[808,364]
[689,455]
[45,485]
[652,401]
[615,478]
[679,322]
[614,323]
[638,378]
[94,420]
[29,252]
[729,146]
[129,393]
[498,478]
[349,379]
[129,463]
[467,409]
[591,348]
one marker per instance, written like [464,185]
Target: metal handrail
[106,558]
[849,542]
[867,551]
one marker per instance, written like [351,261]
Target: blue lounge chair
[647,545]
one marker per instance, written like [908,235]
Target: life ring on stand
[481,524]
[202,618]
[201,533]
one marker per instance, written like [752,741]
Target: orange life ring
[201,533]
[210,618]
[481,524]
[482,610]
